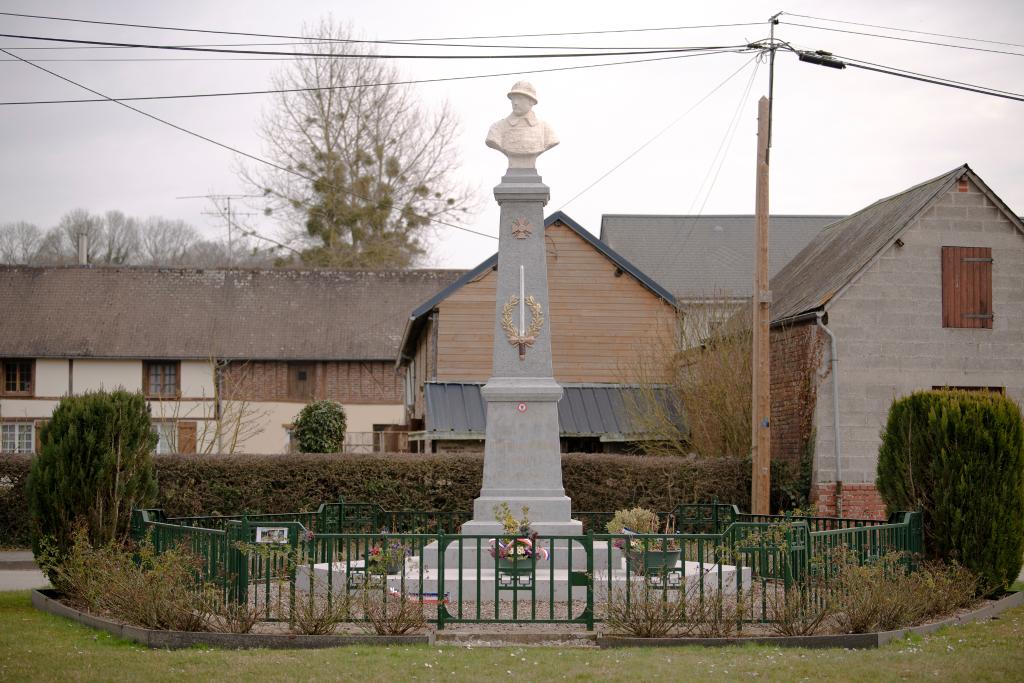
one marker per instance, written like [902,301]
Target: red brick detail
[795,357]
[343,381]
[962,185]
[860,501]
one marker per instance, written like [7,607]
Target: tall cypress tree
[93,468]
[959,458]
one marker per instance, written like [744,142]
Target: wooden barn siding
[598,321]
[343,381]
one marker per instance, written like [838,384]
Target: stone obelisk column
[522,461]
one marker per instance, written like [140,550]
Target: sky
[673,136]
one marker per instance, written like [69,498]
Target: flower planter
[652,561]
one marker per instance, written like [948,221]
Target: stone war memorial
[521,555]
[522,460]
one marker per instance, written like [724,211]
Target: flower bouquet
[387,558]
[518,548]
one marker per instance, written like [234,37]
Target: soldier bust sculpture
[521,136]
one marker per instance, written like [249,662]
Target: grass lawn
[37,646]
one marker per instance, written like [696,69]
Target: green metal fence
[716,554]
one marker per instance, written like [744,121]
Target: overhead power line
[658,134]
[392,41]
[906,40]
[222,145]
[838,61]
[906,30]
[369,55]
[367,85]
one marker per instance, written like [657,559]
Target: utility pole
[760,413]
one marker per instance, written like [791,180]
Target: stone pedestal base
[523,462]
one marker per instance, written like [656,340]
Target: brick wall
[860,501]
[795,357]
[342,381]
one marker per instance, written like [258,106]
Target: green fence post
[242,586]
[442,610]
[589,545]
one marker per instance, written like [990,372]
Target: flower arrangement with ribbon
[519,542]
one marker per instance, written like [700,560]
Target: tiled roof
[94,312]
[700,256]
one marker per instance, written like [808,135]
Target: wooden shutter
[967,287]
[186,436]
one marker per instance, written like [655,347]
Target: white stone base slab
[478,585]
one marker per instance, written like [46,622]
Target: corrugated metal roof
[584,410]
[840,251]
[697,256]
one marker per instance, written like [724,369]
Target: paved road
[18,571]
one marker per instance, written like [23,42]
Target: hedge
[195,485]
[958,456]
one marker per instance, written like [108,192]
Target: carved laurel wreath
[536,321]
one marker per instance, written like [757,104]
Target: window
[967,287]
[160,379]
[300,381]
[17,377]
[17,437]
[167,437]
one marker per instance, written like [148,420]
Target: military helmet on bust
[524,88]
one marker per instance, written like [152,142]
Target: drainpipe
[835,413]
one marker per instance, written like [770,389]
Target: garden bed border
[47,600]
[859,641]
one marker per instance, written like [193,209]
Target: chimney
[83,248]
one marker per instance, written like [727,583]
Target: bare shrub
[884,594]
[137,585]
[388,614]
[798,611]
[716,613]
[318,614]
[235,618]
[642,611]
[945,588]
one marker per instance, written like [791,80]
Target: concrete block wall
[888,325]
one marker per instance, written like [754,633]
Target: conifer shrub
[320,427]
[93,468]
[959,458]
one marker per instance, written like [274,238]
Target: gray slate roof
[845,248]
[697,256]
[182,313]
[584,410]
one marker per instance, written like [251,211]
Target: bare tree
[20,242]
[113,239]
[702,374]
[165,242]
[375,166]
[120,239]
